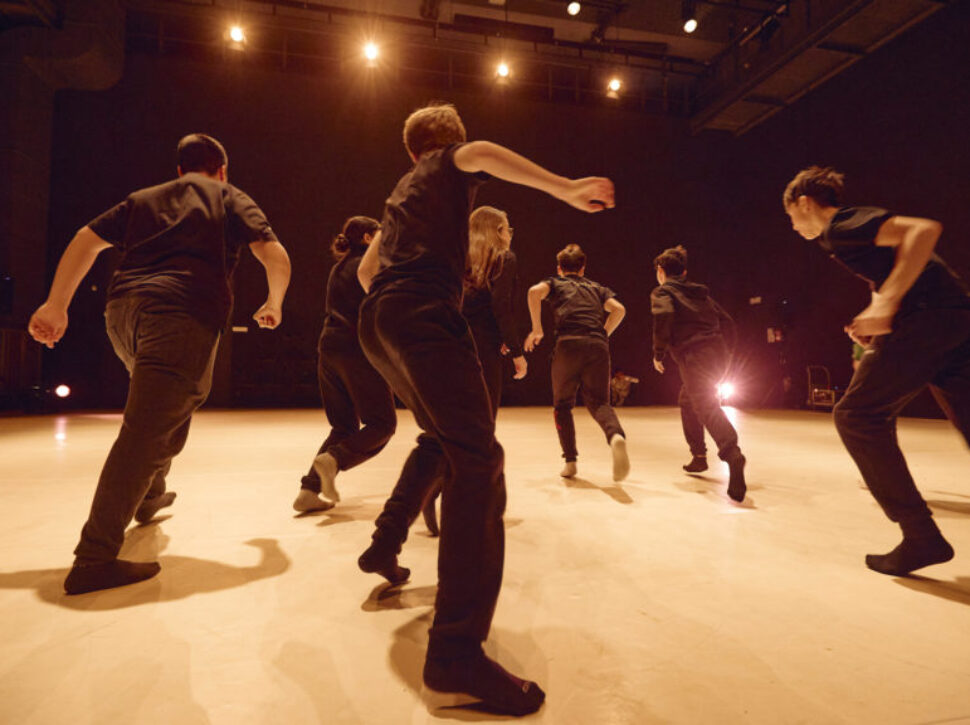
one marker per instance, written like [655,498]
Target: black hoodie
[685,314]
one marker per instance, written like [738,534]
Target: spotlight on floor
[62,391]
[573,8]
[725,391]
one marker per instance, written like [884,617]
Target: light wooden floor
[651,601]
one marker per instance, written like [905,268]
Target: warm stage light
[62,391]
[690,25]
[236,34]
[371,51]
[615,84]
[573,8]
[502,70]
[725,390]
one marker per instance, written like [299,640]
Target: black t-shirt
[344,294]
[180,242]
[490,310]
[850,239]
[424,233]
[577,306]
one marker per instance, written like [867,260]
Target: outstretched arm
[616,314]
[537,293]
[914,239]
[276,262]
[49,322]
[590,194]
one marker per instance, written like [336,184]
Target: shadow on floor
[181,576]
[614,491]
[957,590]
[958,508]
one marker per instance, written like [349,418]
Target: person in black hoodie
[586,314]
[916,332]
[488,306]
[358,401]
[699,335]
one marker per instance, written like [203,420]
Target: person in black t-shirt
[488,305]
[357,400]
[916,331]
[412,330]
[168,301]
[585,314]
[700,336]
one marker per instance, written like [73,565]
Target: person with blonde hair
[412,330]
[491,283]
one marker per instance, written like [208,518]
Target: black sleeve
[728,329]
[855,226]
[662,309]
[247,222]
[605,294]
[503,304]
[112,226]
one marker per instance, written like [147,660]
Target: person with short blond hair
[412,330]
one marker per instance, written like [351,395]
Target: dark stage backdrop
[313,150]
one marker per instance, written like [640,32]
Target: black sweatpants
[357,400]
[423,348]
[581,363]
[169,355]
[702,366]
[926,347]
[493,365]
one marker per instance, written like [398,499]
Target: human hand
[590,194]
[268,316]
[658,366]
[48,324]
[876,319]
[504,350]
[521,367]
[534,338]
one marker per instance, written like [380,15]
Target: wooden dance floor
[651,601]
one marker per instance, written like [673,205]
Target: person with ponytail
[490,286]
[357,400]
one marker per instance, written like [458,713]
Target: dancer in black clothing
[357,400]
[585,314]
[412,330]
[916,331]
[168,301]
[700,336]
[488,305]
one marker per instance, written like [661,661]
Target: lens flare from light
[503,70]
[62,391]
[371,51]
[725,391]
[237,34]
[615,84]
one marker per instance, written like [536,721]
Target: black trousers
[358,403]
[493,365]
[702,366]
[926,347]
[169,355]
[581,364]
[425,351]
